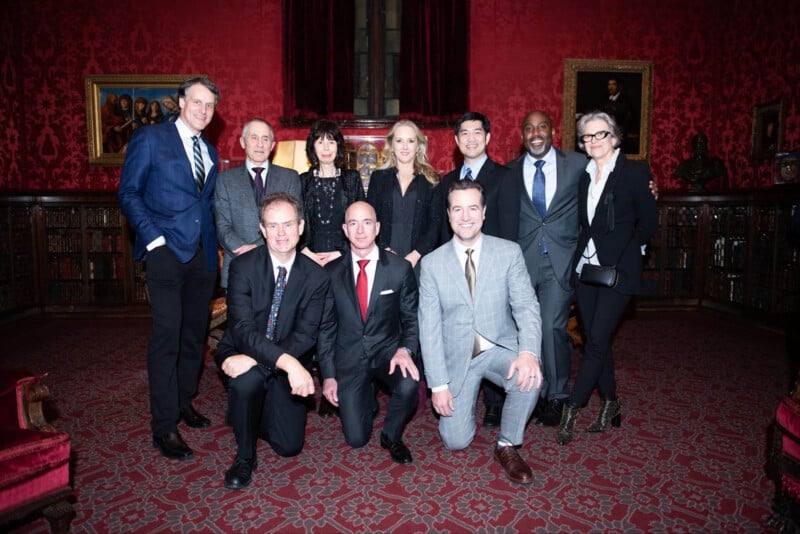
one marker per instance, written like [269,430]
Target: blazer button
[197,221]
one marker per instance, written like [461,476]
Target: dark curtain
[433,57]
[319,57]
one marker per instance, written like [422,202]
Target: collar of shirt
[613,97]
[475,167]
[276,264]
[250,166]
[591,167]
[461,251]
[373,256]
[188,145]
[550,176]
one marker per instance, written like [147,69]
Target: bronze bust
[700,168]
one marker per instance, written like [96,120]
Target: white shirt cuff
[160,241]
[437,389]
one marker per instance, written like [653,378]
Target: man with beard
[538,204]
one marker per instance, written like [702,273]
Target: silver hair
[613,127]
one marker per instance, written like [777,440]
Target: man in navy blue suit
[166,192]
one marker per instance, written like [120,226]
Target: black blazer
[427,214]
[353,190]
[346,343]
[625,219]
[250,286]
[490,176]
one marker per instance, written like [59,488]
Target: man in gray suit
[240,191]
[474,291]
[548,235]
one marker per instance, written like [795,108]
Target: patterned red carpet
[699,391]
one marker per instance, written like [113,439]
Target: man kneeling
[370,336]
[276,299]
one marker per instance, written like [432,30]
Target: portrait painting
[623,89]
[117,105]
[768,128]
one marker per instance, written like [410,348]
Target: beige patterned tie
[471,275]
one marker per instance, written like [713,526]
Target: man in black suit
[370,335]
[276,299]
[166,192]
[472,135]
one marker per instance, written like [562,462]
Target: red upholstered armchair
[34,457]
[785,463]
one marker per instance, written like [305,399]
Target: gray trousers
[458,430]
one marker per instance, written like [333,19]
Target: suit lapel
[348,282]
[600,219]
[455,268]
[527,201]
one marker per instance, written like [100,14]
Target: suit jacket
[159,196]
[625,219]
[520,221]
[236,207]
[346,344]
[250,287]
[448,317]
[490,176]
[427,215]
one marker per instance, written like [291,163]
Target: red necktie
[361,289]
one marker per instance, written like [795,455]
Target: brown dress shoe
[515,467]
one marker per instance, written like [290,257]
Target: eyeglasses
[597,135]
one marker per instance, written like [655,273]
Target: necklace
[325,198]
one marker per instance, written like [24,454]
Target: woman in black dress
[328,189]
[405,197]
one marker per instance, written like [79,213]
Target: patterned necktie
[539,200]
[468,174]
[471,275]
[277,295]
[259,183]
[361,289]
[199,167]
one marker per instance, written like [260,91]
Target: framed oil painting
[118,104]
[769,120]
[622,88]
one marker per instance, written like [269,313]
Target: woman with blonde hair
[404,194]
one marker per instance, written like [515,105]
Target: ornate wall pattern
[713,61]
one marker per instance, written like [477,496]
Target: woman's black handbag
[599,275]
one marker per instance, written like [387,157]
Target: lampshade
[291,154]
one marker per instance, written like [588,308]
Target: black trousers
[357,402]
[601,310]
[180,295]
[261,404]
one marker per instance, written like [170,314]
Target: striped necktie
[199,167]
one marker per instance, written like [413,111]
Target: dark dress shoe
[492,417]
[397,450]
[515,467]
[552,414]
[172,446]
[240,474]
[326,409]
[192,418]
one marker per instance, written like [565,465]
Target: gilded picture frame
[113,109]
[769,122]
[588,86]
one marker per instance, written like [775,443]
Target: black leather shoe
[326,409]
[192,418]
[552,414]
[397,449]
[172,446]
[492,417]
[240,474]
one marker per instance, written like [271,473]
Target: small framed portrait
[118,104]
[787,168]
[623,89]
[769,121]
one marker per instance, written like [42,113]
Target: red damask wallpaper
[713,60]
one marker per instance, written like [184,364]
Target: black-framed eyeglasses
[597,135]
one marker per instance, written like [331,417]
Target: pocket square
[387,291]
